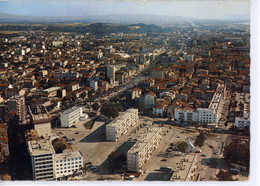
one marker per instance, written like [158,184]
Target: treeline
[95,28]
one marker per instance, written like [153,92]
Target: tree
[237,151]
[95,106]
[200,139]
[182,146]
[111,110]
[224,176]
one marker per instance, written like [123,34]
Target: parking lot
[95,149]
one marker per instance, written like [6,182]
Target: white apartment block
[120,124]
[204,115]
[42,155]
[185,115]
[47,165]
[142,150]
[241,122]
[70,117]
[67,163]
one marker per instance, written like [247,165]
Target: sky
[213,9]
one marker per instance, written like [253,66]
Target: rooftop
[144,140]
[38,147]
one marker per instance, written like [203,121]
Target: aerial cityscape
[125,91]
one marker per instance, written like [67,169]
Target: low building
[142,150]
[241,123]
[51,92]
[40,119]
[120,124]
[70,117]
[66,164]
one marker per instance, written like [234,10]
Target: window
[57,169]
[57,165]
[60,164]
[72,163]
[72,166]
[79,158]
[72,159]
[65,167]
[76,162]
[64,163]
[57,161]
[64,160]
[76,158]
[65,171]
[58,173]
[76,165]
[61,168]
[60,161]
[79,161]
[68,159]
[68,167]
[61,172]
[68,170]
[68,163]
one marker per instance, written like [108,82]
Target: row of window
[68,167]
[40,167]
[43,171]
[43,159]
[69,160]
[72,163]
[47,177]
[61,172]
[45,174]
[43,163]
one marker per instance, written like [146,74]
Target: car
[210,146]
[164,160]
[61,132]
[76,133]
[203,155]
[215,153]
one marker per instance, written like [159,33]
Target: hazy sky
[215,9]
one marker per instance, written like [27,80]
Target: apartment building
[51,92]
[204,115]
[17,103]
[42,157]
[47,165]
[185,115]
[70,117]
[66,164]
[142,150]
[40,119]
[120,125]
[241,122]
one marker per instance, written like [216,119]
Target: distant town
[125,102]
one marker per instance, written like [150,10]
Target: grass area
[89,124]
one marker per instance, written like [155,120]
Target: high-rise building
[17,104]
[42,157]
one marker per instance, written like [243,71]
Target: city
[142,102]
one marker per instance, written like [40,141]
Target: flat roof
[144,140]
[122,116]
[71,110]
[68,155]
[41,146]
[51,89]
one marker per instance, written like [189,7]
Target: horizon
[189,9]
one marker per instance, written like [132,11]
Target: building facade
[120,125]
[17,103]
[141,152]
[70,117]
[42,157]
[66,164]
